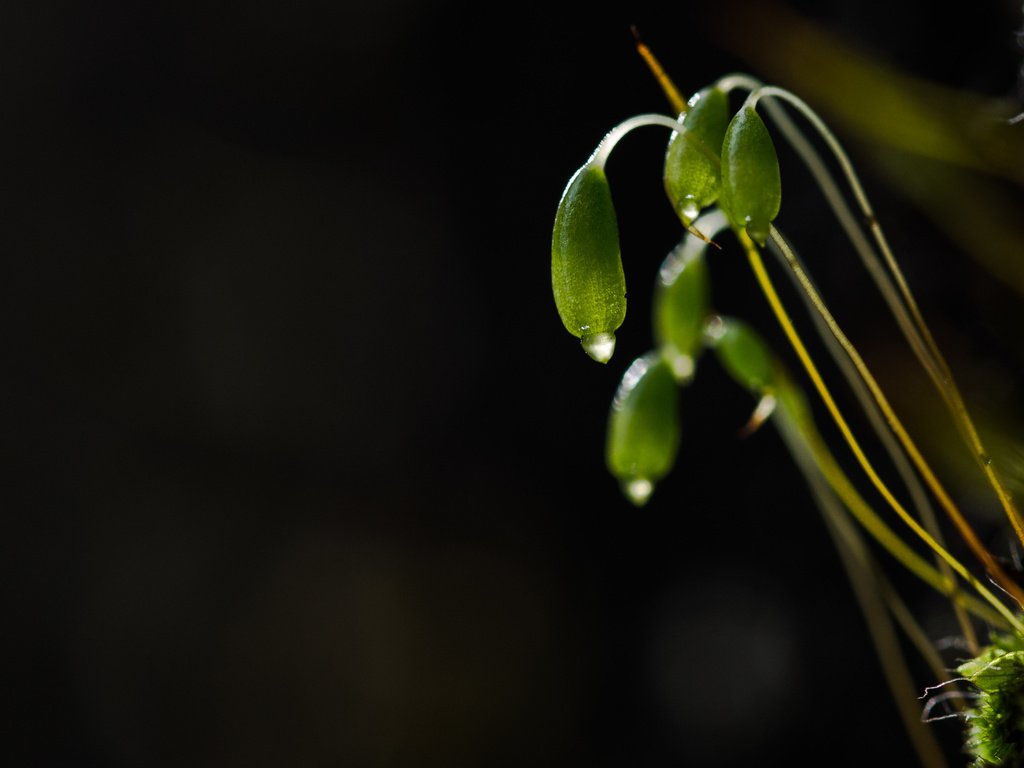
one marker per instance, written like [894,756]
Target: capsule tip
[683,366]
[638,490]
[599,346]
[758,232]
[689,210]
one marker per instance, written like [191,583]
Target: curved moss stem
[814,445]
[616,134]
[764,281]
[970,537]
[873,597]
[876,419]
[900,299]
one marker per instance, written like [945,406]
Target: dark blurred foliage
[301,467]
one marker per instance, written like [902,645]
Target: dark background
[301,466]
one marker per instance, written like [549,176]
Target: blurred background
[302,468]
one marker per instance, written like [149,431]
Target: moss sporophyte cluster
[721,174]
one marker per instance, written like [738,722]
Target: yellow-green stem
[968,534]
[756,263]
[872,594]
[862,512]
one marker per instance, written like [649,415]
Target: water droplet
[638,490]
[689,209]
[758,232]
[714,329]
[986,460]
[599,346]
[682,366]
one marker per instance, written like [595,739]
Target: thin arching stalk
[891,446]
[604,149]
[806,151]
[926,354]
[868,519]
[907,312]
[824,178]
[862,573]
[900,299]
[970,537]
[767,287]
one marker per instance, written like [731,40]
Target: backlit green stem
[892,447]
[616,134]
[970,537]
[757,265]
[903,306]
[826,464]
[864,579]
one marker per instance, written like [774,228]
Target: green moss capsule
[791,398]
[751,185]
[742,352]
[681,302]
[692,173]
[586,266]
[643,427]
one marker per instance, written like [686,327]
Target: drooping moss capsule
[643,427]
[751,185]
[742,352]
[682,298]
[586,266]
[790,398]
[692,172]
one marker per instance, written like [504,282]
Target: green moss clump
[995,724]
